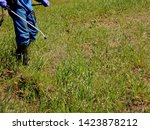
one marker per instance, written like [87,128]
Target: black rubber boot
[22,54]
[25,55]
[18,53]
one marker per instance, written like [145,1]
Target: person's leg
[32,31]
[22,35]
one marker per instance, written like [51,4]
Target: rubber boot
[22,54]
[25,55]
[18,53]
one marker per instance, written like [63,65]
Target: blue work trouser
[24,32]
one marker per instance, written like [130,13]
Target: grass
[96,59]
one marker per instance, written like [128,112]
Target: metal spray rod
[45,37]
[36,4]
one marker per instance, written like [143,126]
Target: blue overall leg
[24,32]
[32,31]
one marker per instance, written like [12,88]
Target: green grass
[96,59]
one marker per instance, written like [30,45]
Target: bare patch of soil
[138,104]
[88,50]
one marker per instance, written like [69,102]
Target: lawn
[96,59]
